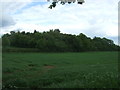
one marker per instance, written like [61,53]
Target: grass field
[60,70]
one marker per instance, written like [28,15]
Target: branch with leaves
[63,2]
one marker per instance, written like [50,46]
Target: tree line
[55,41]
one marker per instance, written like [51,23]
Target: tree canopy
[55,41]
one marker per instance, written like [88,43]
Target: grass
[60,70]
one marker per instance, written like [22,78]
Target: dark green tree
[5,41]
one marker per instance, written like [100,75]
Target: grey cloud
[7,9]
[6,20]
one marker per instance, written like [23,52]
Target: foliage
[55,41]
[5,41]
[63,2]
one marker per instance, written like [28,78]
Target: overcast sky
[93,18]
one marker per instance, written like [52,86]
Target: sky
[93,18]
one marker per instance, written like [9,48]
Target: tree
[5,42]
[57,30]
[85,42]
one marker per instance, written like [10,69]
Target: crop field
[60,70]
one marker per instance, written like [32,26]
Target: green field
[60,70]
